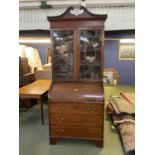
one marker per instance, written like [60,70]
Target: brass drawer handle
[59,109]
[75,89]
[57,130]
[60,131]
[59,118]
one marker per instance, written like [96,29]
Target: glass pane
[90,54]
[63,54]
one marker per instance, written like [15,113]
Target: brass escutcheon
[76,89]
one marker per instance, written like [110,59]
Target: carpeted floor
[34,137]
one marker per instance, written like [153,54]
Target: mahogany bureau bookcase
[76,97]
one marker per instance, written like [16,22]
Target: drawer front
[76,119]
[76,132]
[76,108]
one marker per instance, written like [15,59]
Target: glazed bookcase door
[90,55]
[63,55]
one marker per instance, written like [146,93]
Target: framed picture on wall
[127,52]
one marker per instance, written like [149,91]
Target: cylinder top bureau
[76,96]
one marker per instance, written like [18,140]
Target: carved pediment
[77,13]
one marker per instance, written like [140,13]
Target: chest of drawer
[76,108]
[76,132]
[76,119]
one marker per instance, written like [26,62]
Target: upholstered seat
[25,76]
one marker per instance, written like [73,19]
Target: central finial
[76,11]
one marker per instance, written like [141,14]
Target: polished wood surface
[76,119]
[78,132]
[34,89]
[75,24]
[76,108]
[76,92]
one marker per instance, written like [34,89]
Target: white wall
[119,17]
